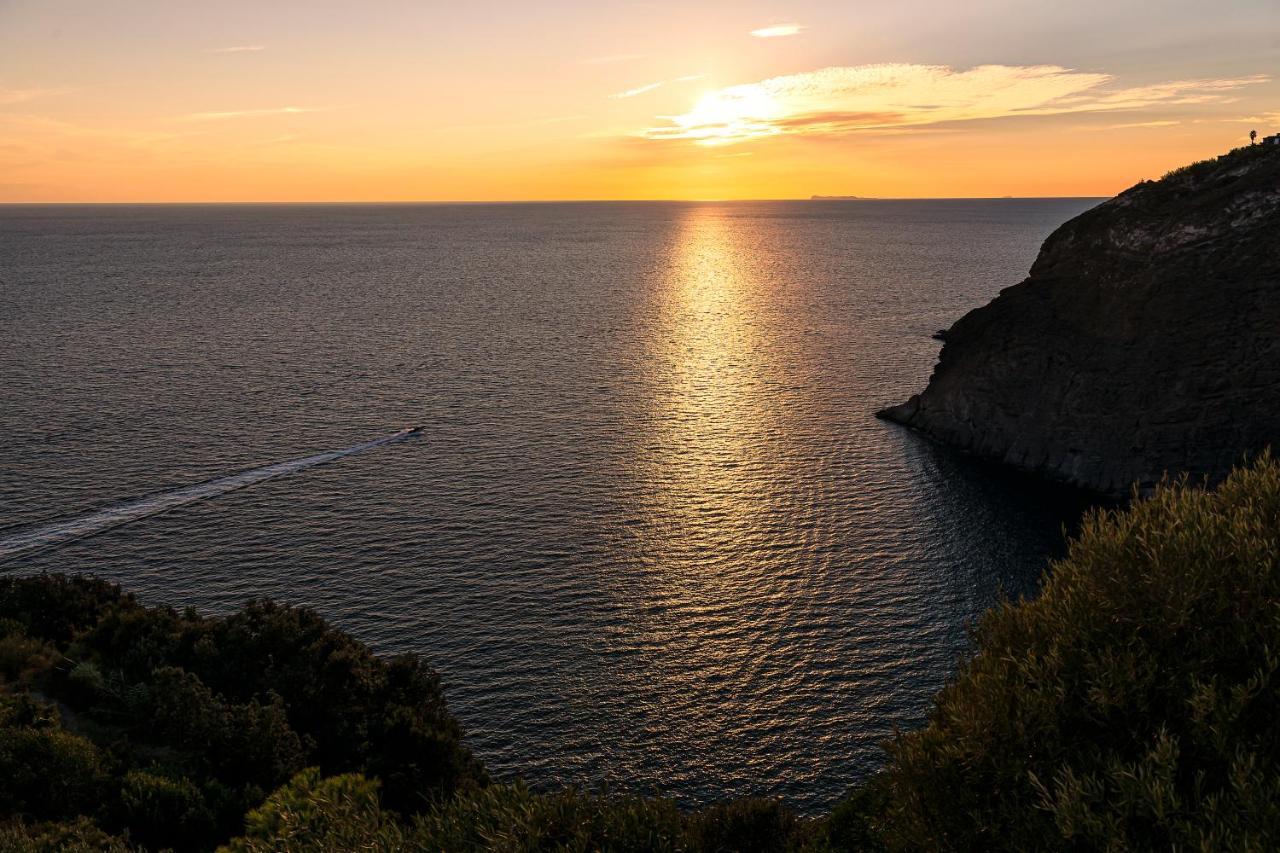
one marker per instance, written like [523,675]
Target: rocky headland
[1145,341]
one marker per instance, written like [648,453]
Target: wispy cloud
[230,114]
[649,87]
[638,90]
[537,122]
[841,100]
[1266,120]
[1132,124]
[612,58]
[238,48]
[20,96]
[777,31]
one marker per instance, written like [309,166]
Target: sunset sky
[484,100]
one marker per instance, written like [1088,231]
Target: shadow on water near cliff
[993,509]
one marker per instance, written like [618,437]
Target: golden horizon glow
[327,101]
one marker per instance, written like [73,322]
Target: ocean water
[650,533]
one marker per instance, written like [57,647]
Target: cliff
[1145,340]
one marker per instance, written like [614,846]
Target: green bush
[337,814]
[73,836]
[224,709]
[46,773]
[21,656]
[744,826]
[161,811]
[57,607]
[512,819]
[1132,706]
[237,744]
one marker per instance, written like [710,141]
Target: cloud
[612,58]
[1129,124]
[230,114]
[843,100]
[239,48]
[1264,120]
[638,90]
[537,122]
[649,87]
[19,96]
[777,31]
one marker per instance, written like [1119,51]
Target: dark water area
[651,534]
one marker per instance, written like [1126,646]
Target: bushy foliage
[78,835]
[344,813]
[513,819]
[337,814]
[46,772]
[1134,705]
[164,812]
[743,826]
[184,723]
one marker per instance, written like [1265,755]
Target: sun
[728,115]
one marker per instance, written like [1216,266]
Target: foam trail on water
[67,530]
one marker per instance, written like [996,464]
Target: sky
[131,101]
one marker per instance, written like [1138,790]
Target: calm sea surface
[650,534]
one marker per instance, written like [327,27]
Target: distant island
[836,198]
[1142,343]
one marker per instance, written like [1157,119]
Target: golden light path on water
[719,497]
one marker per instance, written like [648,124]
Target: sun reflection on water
[712,420]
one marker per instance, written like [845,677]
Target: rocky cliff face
[1145,340]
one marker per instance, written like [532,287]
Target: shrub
[513,819]
[1132,706]
[237,705]
[45,772]
[337,814]
[21,656]
[239,744]
[57,607]
[744,826]
[161,811]
[74,836]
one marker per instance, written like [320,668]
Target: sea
[649,532]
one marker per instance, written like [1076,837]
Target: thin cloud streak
[232,114]
[649,87]
[1135,124]
[612,58]
[20,96]
[777,31]
[638,90]
[843,100]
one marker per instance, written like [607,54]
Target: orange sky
[386,101]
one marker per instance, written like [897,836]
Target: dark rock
[1146,339]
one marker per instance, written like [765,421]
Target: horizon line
[557,201]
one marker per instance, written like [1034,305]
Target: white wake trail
[67,530]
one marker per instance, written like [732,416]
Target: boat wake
[67,530]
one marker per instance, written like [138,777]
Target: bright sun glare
[729,115]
